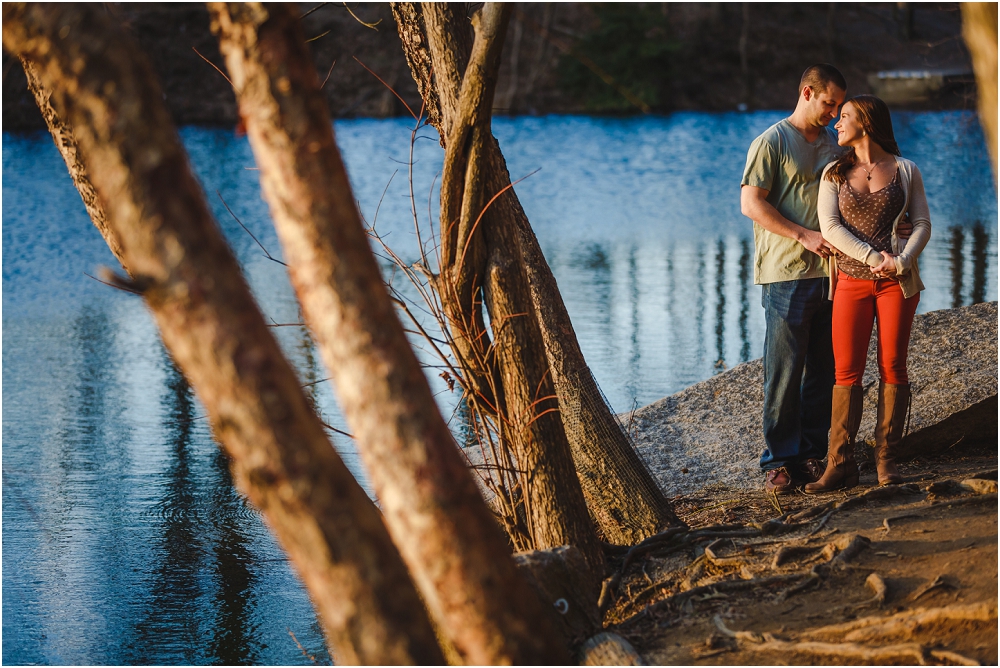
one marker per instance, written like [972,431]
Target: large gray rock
[713,429]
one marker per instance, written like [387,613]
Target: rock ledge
[713,428]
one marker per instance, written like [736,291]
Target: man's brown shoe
[810,470]
[779,481]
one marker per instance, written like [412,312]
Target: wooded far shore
[575,58]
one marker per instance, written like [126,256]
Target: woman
[863,195]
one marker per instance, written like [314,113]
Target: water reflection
[699,305]
[634,303]
[720,305]
[234,639]
[979,252]
[957,265]
[168,628]
[980,242]
[744,299]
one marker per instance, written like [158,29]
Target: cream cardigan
[832,226]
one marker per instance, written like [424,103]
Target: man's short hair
[818,77]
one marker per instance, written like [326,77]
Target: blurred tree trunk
[621,495]
[115,124]
[979,28]
[63,138]
[431,503]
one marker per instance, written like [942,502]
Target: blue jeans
[798,371]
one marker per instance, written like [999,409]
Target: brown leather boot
[893,403]
[845,419]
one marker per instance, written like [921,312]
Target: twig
[382,197]
[304,653]
[773,498]
[248,231]
[391,90]
[322,4]
[334,429]
[114,285]
[367,25]
[328,74]
[313,39]
[215,66]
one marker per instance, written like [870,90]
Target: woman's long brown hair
[873,115]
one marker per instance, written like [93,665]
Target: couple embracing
[839,220]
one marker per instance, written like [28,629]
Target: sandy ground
[911,571]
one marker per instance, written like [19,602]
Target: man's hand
[815,242]
[888,267]
[754,205]
[904,228]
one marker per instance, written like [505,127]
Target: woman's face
[849,130]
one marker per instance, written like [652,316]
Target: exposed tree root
[723,587]
[985,499]
[905,624]
[845,549]
[912,653]
[791,552]
[909,653]
[811,580]
[939,581]
[877,585]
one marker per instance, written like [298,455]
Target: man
[779,190]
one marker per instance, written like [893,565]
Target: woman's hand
[887,269]
[904,228]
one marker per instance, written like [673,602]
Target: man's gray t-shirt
[782,162]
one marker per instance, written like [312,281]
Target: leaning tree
[490,259]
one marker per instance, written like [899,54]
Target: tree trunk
[432,506]
[622,496]
[63,138]
[479,248]
[979,28]
[103,89]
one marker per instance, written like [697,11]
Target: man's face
[821,106]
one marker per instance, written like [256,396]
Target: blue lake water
[124,540]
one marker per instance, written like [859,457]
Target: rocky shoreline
[697,60]
[709,435]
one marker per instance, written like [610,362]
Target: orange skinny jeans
[857,304]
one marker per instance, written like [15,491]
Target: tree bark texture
[430,500]
[622,496]
[103,89]
[63,138]
[480,250]
[979,28]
